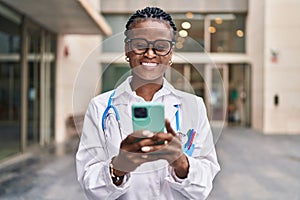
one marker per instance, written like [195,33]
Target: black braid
[148,13]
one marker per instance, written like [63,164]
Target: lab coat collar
[170,89]
[123,88]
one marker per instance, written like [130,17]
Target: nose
[150,53]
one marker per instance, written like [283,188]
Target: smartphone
[148,116]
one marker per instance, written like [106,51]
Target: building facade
[210,57]
[55,56]
[235,54]
[42,45]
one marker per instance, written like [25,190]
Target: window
[227,33]
[221,32]
[190,33]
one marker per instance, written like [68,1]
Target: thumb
[169,128]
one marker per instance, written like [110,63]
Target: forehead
[151,30]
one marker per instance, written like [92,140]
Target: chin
[148,75]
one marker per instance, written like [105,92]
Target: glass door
[239,95]
[34,82]
[207,81]
[188,78]
[10,139]
[216,93]
[10,83]
[47,88]
[41,78]
[33,103]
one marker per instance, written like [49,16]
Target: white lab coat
[153,180]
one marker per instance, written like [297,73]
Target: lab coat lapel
[170,109]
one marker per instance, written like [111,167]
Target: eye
[139,44]
[162,45]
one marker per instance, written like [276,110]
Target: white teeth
[149,64]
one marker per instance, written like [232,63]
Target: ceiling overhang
[63,16]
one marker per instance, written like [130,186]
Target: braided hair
[150,13]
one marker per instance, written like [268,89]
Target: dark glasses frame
[129,41]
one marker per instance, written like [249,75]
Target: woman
[111,163]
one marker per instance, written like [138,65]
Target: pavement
[254,166]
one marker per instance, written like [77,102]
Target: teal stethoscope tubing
[105,113]
[110,106]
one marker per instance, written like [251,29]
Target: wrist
[181,167]
[116,175]
[114,164]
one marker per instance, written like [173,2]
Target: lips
[149,64]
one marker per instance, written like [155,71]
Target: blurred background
[238,55]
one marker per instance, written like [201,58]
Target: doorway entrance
[216,93]
[239,95]
[225,88]
[40,86]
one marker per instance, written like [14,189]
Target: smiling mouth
[146,64]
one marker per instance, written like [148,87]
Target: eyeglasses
[159,47]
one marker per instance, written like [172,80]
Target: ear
[171,52]
[126,48]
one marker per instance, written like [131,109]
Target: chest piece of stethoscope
[182,136]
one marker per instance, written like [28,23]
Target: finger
[160,138]
[146,142]
[130,139]
[146,149]
[137,136]
[130,148]
[154,147]
[169,128]
[168,152]
[138,145]
[143,134]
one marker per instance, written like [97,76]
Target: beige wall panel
[69,66]
[255,50]
[290,124]
[282,77]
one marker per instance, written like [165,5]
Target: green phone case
[153,119]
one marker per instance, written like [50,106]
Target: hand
[170,150]
[130,154]
[157,146]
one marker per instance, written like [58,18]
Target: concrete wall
[282,27]
[255,51]
[76,76]
[203,6]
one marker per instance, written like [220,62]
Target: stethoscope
[106,114]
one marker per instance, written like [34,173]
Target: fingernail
[147,133]
[144,156]
[145,149]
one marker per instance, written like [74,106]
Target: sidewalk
[45,175]
[257,166]
[254,166]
